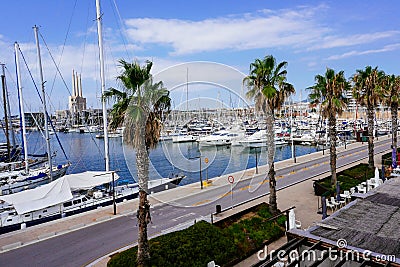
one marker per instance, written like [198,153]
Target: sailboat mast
[187,92]
[3,83]
[21,107]
[103,83]
[46,126]
[9,119]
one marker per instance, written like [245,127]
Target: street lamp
[199,157]
[113,184]
[201,177]
[256,150]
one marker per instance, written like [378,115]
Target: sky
[219,39]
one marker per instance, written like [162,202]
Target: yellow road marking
[292,172]
[226,194]
[305,169]
[244,188]
[279,177]
[201,202]
[316,165]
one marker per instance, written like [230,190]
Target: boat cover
[56,192]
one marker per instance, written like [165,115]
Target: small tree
[139,108]
[366,88]
[390,95]
[329,92]
[268,87]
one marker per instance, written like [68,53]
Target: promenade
[300,195]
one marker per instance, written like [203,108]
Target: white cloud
[351,40]
[299,29]
[263,29]
[386,48]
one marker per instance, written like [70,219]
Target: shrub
[203,242]
[194,246]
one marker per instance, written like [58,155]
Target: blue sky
[309,35]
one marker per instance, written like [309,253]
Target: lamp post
[201,177]
[256,150]
[113,192]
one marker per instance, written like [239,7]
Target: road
[82,246]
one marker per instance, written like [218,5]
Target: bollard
[218,208]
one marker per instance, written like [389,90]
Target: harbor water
[86,153]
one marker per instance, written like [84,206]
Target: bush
[203,242]
[194,246]
[250,234]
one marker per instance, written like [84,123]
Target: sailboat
[18,180]
[72,193]
[9,151]
[183,135]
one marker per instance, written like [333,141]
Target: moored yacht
[218,138]
[183,136]
[70,194]
[257,139]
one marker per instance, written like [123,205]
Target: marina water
[86,153]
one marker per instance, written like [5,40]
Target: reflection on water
[87,153]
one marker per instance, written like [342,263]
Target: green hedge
[194,246]
[204,242]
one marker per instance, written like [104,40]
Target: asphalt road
[80,247]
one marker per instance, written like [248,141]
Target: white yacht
[70,194]
[279,140]
[305,137]
[257,139]
[183,136]
[15,181]
[218,138]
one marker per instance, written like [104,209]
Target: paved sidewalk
[300,195]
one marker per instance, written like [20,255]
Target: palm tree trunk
[273,206]
[370,110]
[393,110]
[142,164]
[332,148]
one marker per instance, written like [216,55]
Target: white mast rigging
[46,126]
[24,142]
[103,84]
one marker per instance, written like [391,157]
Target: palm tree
[268,87]
[139,108]
[390,95]
[366,84]
[329,92]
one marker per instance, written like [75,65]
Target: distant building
[77,103]
[34,119]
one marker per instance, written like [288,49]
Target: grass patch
[201,243]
